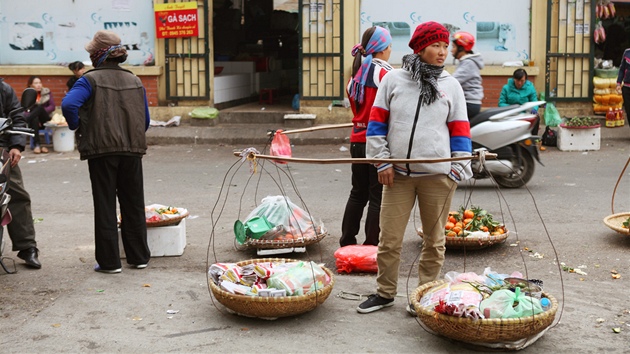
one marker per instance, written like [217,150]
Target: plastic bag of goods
[279,210]
[510,304]
[451,293]
[301,279]
[356,258]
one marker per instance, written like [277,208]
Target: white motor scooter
[507,132]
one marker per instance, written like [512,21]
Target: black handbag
[550,137]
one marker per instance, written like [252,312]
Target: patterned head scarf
[380,40]
[105,44]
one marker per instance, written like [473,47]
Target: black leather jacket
[8,103]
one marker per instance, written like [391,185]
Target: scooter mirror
[29,98]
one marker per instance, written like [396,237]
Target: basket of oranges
[472,228]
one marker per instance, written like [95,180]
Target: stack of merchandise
[605,96]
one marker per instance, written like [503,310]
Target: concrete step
[241,135]
[260,117]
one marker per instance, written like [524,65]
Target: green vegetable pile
[581,122]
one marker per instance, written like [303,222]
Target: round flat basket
[485,331]
[170,221]
[272,307]
[254,243]
[472,242]
[615,222]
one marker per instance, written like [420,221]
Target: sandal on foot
[44,150]
[37,150]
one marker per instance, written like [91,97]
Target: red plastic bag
[357,258]
[280,146]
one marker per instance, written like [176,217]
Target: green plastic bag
[508,304]
[204,112]
[552,117]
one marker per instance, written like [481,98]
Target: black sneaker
[373,303]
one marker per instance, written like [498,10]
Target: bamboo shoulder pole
[252,155]
[312,129]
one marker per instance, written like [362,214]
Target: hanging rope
[612,202]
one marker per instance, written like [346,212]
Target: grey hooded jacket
[468,73]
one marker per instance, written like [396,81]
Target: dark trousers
[472,109]
[625,93]
[120,176]
[36,119]
[21,229]
[365,191]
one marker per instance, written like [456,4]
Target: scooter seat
[486,114]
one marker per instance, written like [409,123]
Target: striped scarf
[100,55]
[380,40]
[425,75]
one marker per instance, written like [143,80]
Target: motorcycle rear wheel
[523,170]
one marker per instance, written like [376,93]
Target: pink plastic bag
[280,146]
[357,258]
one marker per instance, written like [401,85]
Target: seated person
[519,90]
[41,112]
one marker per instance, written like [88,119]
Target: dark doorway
[255,49]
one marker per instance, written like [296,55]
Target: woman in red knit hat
[419,113]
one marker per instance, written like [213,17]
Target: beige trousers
[434,195]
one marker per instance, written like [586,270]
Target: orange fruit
[468,214]
[449,225]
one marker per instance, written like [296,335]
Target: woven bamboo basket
[272,307]
[170,221]
[254,243]
[472,242]
[615,222]
[484,331]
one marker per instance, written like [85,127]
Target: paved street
[67,307]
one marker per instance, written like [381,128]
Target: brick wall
[492,86]
[57,85]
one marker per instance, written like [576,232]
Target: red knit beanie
[426,34]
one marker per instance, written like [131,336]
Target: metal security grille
[321,57]
[569,50]
[186,61]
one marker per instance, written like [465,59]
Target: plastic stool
[46,133]
[265,96]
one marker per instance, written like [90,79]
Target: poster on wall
[501,28]
[55,32]
[176,20]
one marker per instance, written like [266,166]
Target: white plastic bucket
[63,139]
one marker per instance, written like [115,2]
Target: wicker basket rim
[615,221]
[486,321]
[472,239]
[254,243]
[169,221]
[298,298]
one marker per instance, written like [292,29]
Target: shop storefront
[302,47]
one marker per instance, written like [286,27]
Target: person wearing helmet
[468,71]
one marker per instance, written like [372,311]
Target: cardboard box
[163,240]
[579,139]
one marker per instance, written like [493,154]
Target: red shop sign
[176,20]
